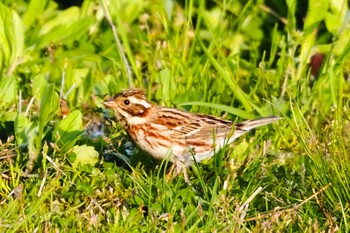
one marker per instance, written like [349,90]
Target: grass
[65,167]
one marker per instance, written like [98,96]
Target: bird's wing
[179,124]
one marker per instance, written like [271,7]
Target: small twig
[246,203]
[8,156]
[267,9]
[313,195]
[69,91]
[42,183]
[284,86]
[63,79]
[97,205]
[64,96]
[243,208]
[270,213]
[55,165]
[6,177]
[17,191]
[120,48]
[29,106]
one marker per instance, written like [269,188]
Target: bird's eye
[126,102]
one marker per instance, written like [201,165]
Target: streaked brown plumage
[168,133]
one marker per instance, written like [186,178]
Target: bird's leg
[169,175]
[175,170]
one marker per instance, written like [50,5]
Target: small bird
[169,133]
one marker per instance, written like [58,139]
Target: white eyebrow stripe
[139,101]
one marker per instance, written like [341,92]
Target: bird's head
[130,106]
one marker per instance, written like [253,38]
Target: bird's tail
[251,124]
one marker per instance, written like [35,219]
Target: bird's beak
[109,103]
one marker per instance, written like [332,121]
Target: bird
[171,134]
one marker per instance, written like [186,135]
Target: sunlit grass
[234,60]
